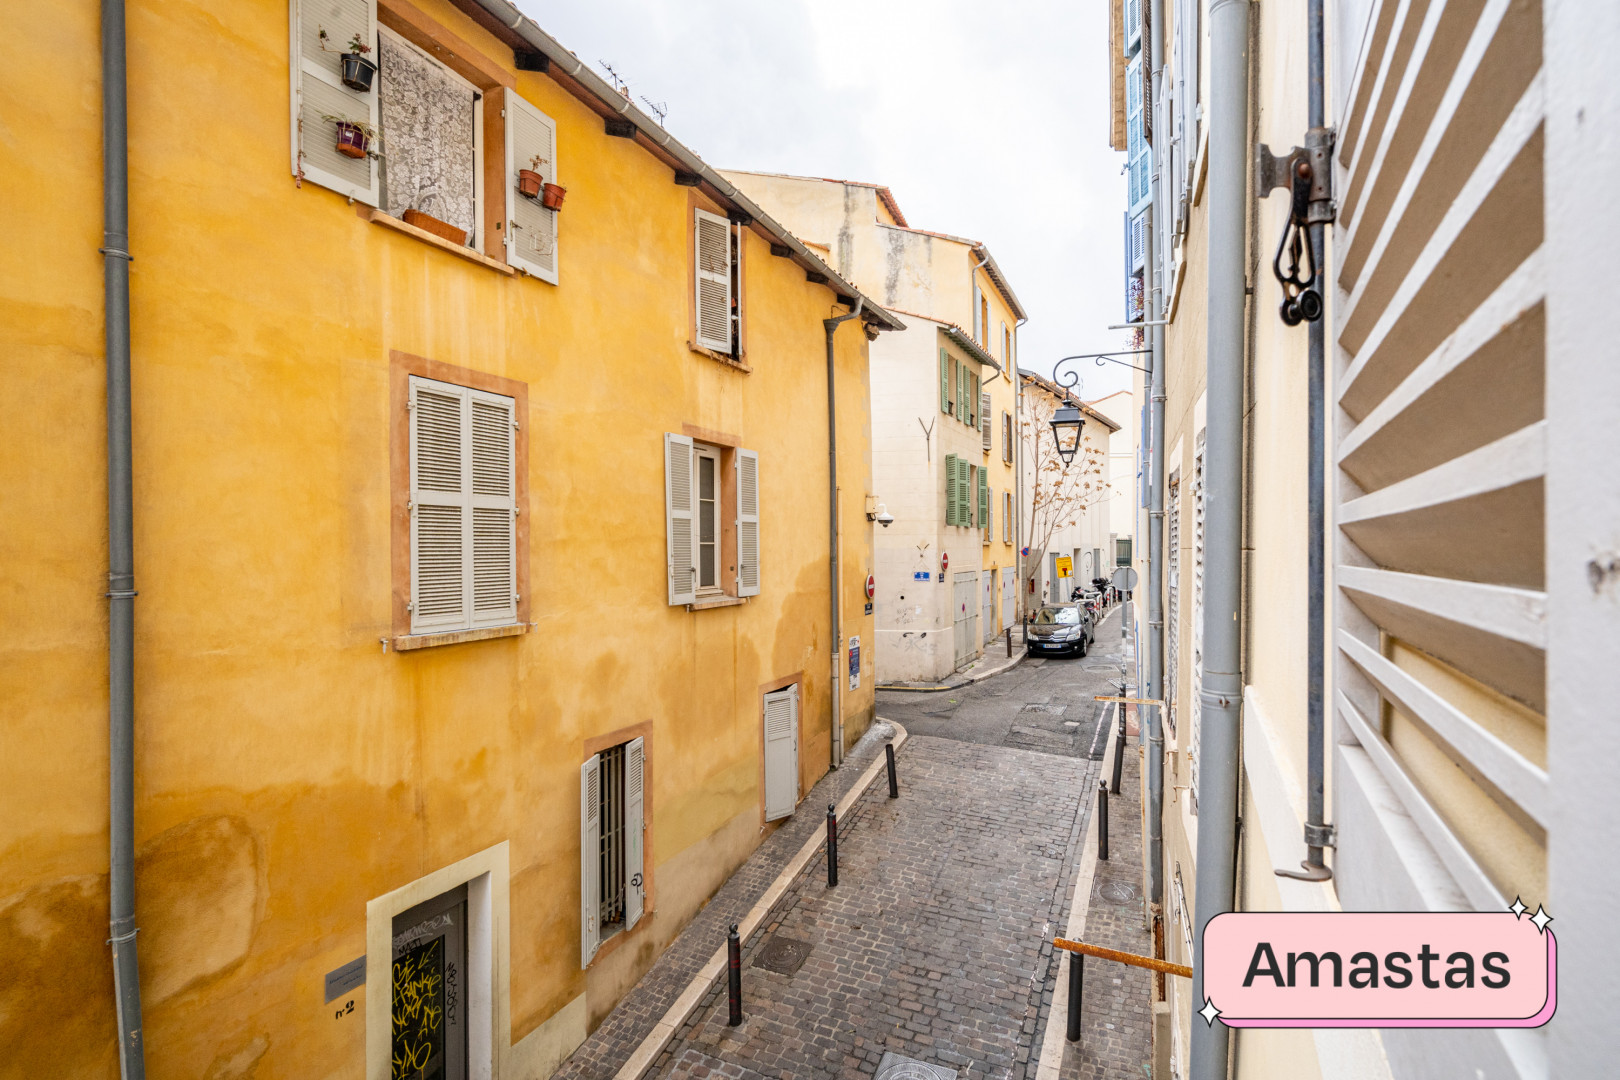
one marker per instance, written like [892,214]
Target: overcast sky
[986,120]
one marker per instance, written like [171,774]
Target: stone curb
[1007,666]
[666,1029]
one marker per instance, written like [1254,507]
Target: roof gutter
[506,13]
[968,345]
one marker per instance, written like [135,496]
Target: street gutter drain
[1117,892]
[895,1067]
[783,955]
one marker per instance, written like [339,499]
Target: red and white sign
[944,562]
[871,586]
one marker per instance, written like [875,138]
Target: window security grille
[613,837]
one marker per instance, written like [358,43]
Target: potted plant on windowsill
[530,182]
[356,71]
[355,138]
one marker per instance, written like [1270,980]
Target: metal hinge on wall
[1307,173]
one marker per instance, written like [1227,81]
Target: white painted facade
[1076,499]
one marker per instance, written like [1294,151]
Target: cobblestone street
[935,945]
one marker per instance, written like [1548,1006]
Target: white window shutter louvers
[438,508]
[318,90]
[712,250]
[635,824]
[748,573]
[678,499]
[781,744]
[530,229]
[984,420]
[590,854]
[494,510]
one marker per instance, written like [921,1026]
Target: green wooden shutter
[950,489]
[944,381]
[984,501]
[973,401]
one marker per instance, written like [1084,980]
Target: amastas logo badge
[1380,969]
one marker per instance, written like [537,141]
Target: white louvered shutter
[463,508]
[590,859]
[494,509]
[682,561]
[438,507]
[318,90]
[712,248]
[635,825]
[781,753]
[531,229]
[747,523]
[984,420]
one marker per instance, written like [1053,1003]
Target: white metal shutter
[635,825]
[493,484]
[1196,698]
[781,753]
[531,229]
[438,507]
[748,575]
[984,420]
[712,250]
[977,325]
[681,561]
[318,90]
[590,859]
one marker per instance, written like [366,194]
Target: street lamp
[1066,425]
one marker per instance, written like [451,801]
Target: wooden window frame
[401,366]
[718,455]
[724,447]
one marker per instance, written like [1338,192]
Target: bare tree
[1059,493]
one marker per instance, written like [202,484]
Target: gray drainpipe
[120,543]
[1018,475]
[1220,738]
[837,731]
[1155,436]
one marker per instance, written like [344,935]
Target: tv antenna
[660,108]
[613,76]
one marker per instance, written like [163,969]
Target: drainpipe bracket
[1317,835]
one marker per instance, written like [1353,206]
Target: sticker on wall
[854,663]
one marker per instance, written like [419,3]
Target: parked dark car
[1059,629]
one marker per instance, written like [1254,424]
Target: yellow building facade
[432,534]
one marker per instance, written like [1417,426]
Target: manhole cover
[783,955]
[895,1067]
[1117,892]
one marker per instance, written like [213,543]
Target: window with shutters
[982,500]
[716,284]
[1006,437]
[712,514]
[984,422]
[947,383]
[613,886]
[459,491]
[1006,517]
[530,235]
[430,120]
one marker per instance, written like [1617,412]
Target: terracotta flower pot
[553,197]
[529,183]
[351,141]
[438,228]
[358,72]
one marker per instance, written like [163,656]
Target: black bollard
[1009,641]
[1119,748]
[832,847]
[734,972]
[1077,985]
[1102,820]
[894,785]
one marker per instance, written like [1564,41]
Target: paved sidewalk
[1116,1015]
[634,1018]
[935,944]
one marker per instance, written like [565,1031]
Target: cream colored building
[1067,507]
[1473,408]
[944,459]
